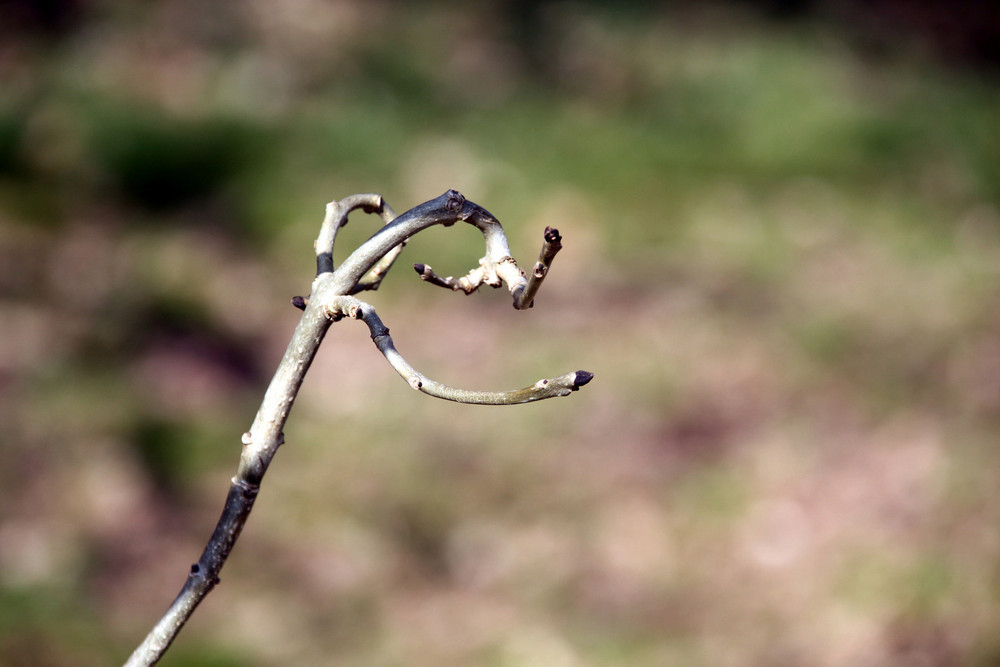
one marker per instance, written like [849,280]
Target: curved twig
[363,269]
[336,217]
[551,244]
[563,385]
[498,265]
[486,273]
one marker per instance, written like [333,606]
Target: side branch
[545,388]
[488,273]
[336,217]
[494,272]
[551,244]
[497,266]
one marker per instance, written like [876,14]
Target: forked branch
[364,269]
[488,273]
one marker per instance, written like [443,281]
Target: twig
[497,265]
[329,301]
[336,217]
[489,273]
[551,244]
[545,388]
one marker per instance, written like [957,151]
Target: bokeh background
[782,262]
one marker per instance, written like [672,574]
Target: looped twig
[336,217]
[331,300]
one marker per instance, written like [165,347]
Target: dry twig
[330,301]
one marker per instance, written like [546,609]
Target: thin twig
[467,284]
[497,265]
[563,385]
[551,244]
[329,300]
[336,217]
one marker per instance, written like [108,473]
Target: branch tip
[582,378]
[455,202]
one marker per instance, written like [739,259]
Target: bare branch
[260,444]
[336,217]
[546,388]
[329,301]
[203,576]
[497,266]
[468,283]
[551,244]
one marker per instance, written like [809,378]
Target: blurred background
[782,262]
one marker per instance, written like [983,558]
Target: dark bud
[582,378]
[551,235]
[455,201]
[300,302]
[419,268]
[195,569]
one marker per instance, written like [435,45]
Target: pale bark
[329,301]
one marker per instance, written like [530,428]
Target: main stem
[259,446]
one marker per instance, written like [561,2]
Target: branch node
[247,488]
[375,207]
[455,201]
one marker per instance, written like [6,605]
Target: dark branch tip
[420,268]
[582,378]
[455,202]
[551,235]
